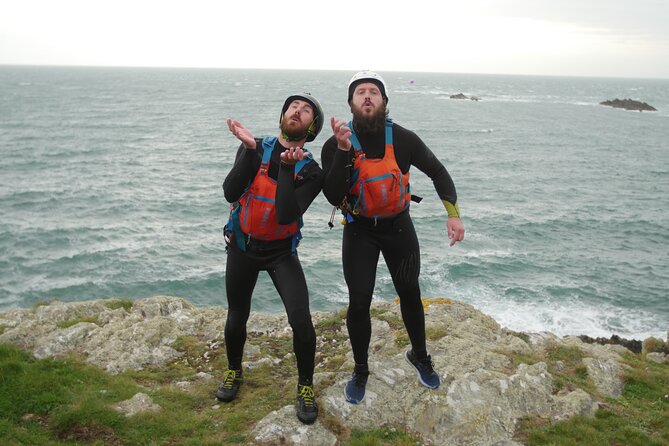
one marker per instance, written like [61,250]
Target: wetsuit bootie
[425,368]
[354,391]
[306,407]
[229,388]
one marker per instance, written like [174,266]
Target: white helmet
[366,76]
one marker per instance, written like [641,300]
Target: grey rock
[606,374]
[573,403]
[64,340]
[283,427]
[660,358]
[139,403]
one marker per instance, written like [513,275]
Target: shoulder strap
[303,162]
[355,142]
[267,147]
[389,131]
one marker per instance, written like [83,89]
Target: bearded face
[366,121]
[294,129]
[296,120]
[368,108]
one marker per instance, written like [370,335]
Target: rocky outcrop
[628,104]
[486,387]
[463,96]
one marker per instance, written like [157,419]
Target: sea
[111,181]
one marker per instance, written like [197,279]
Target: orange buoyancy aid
[379,189]
[254,214]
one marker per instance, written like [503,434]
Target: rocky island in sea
[628,104]
[491,377]
[463,96]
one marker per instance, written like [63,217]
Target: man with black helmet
[270,186]
[367,163]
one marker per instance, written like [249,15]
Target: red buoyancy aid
[379,189]
[254,214]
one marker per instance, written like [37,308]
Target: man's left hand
[292,155]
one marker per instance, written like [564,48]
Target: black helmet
[317,124]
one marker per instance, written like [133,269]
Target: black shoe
[426,374]
[354,392]
[228,390]
[306,407]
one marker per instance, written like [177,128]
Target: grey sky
[619,38]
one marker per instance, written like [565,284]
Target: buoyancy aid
[254,214]
[379,189]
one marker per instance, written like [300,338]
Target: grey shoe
[229,388]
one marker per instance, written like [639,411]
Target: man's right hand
[341,133]
[242,133]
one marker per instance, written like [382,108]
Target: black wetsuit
[395,237]
[293,197]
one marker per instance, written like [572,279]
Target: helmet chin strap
[290,139]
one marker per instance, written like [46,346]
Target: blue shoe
[425,368]
[354,392]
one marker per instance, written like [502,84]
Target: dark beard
[368,124]
[292,133]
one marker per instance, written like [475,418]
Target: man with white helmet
[367,163]
[270,186]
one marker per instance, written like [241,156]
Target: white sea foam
[563,317]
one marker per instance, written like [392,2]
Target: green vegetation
[402,339]
[566,366]
[331,323]
[42,303]
[382,437]
[71,322]
[524,336]
[115,304]
[655,345]
[639,417]
[434,333]
[333,336]
[393,320]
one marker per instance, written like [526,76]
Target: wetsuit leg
[288,278]
[241,274]
[360,255]
[402,255]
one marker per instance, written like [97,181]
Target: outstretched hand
[456,230]
[242,133]
[341,133]
[292,155]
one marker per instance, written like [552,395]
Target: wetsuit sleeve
[247,163]
[295,194]
[425,161]
[337,167]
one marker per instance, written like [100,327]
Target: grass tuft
[115,304]
[72,322]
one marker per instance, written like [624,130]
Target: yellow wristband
[452,209]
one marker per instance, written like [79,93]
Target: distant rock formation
[629,104]
[484,391]
[462,96]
